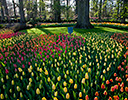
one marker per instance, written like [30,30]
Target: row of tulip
[61,67]
[7,33]
[122,38]
[112,25]
[107,24]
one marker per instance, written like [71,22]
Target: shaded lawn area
[57,30]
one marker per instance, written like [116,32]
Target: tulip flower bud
[67,96]
[64,83]
[75,86]
[1,96]
[80,94]
[18,88]
[53,87]
[65,89]
[38,91]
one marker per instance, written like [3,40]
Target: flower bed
[56,24]
[122,38]
[106,24]
[112,25]
[7,33]
[62,67]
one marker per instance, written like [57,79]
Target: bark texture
[83,15]
[21,11]
[57,11]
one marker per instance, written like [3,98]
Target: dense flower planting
[56,24]
[106,24]
[112,25]
[7,33]
[63,67]
[122,38]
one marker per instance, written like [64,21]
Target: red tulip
[6,71]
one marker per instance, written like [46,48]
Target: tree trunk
[105,8]
[35,10]
[14,8]
[28,9]
[117,10]
[40,8]
[6,8]
[96,8]
[21,11]
[2,11]
[57,13]
[67,9]
[100,9]
[43,10]
[125,5]
[76,11]
[83,15]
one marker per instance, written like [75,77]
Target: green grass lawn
[57,30]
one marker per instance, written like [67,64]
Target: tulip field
[93,66]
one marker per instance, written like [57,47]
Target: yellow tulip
[56,93]
[48,79]
[80,94]
[53,87]
[7,77]
[18,88]
[37,91]
[30,79]
[55,98]
[21,95]
[23,73]
[44,98]
[86,76]
[10,90]
[32,73]
[67,96]
[59,78]
[2,80]
[46,72]
[1,96]
[29,70]
[89,70]
[12,82]
[71,81]
[41,70]
[20,70]
[64,83]
[36,64]
[75,86]
[31,67]
[65,89]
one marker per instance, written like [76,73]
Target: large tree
[21,11]
[2,10]
[83,15]
[76,10]
[14,8]
[4,3]
[100,9]
[57,11]
[125,10]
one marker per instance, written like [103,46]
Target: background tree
[83,15]
[42,12]
[57,11]
[14,8]
[4,3]
[21,11]
[125,10]
[100,7]
[2,10]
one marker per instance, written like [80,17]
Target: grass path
[57,30]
